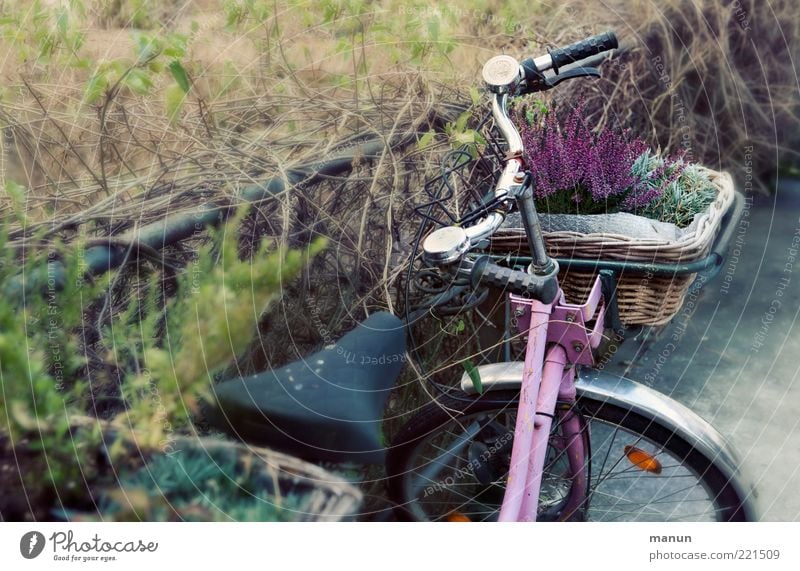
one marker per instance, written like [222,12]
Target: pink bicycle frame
[560,336]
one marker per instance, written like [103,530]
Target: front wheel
[450,462]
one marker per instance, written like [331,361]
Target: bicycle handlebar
[583,49]
[504,76]
[542,288]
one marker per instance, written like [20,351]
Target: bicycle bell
[501,73]
[445,245]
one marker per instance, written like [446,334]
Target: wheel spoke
[473,484]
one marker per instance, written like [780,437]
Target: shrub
[40,364]
[167,353]
[173,352]
[679,191]
[564,155]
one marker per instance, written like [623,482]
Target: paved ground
[735,358]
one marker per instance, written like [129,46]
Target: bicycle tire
[433,417]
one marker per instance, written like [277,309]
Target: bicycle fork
[549,377]
[535,417]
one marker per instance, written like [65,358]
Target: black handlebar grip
[583,49]
[542,288]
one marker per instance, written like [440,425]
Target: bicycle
[546,438]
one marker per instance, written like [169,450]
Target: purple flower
[564,154]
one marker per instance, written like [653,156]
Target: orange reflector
[457,516]
[642,460]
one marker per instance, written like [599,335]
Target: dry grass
[714,78]
[293,85]
[304,80]
[290,86]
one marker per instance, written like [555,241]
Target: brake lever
[542,83]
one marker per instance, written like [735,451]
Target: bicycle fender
[646,402]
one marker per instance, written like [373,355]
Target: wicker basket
[320,495]
[325,496]
[643,299]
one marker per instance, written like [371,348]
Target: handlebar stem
[507,180]
[541,263]
[503,122]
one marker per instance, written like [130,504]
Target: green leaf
[180,75]
[139,81]
[465,138]
[233,15]
[426,140]
[62,21]
[461,122]
[146,47]
[433,29]
[176,48]
[96,86]
[23,417]
[174,98]
[75,41]
[474,375]
[16,192]
[475,95]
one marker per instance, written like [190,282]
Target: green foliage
[40,359]
[682,199]
[180,75]
[426,140]
[172,349]
[199,484]
[474,375]
[174,98]
[16,193]
[239,12]
[155,56]
[426,32]
[208,323]
[463,136]
[43,33]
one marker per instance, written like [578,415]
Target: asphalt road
[734,355]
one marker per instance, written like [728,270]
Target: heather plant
[576,170]
[564,155]
[652,174]
[684,192]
